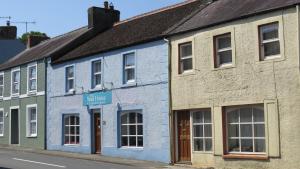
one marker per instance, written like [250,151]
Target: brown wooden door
[184,141]
[97,129]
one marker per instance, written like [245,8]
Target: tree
[24,37]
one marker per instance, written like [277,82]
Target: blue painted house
[111,94]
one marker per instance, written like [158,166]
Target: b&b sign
[97,98]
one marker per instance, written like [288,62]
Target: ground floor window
[1,123]
[71,129]
[31,121]
[131,129]
[245,129]
[202,130]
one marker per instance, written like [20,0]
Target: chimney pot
[111,6]
[105,4]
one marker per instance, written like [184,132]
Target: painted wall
[149,95]
[22,101]
[274,83]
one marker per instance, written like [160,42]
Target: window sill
[227,66]
[272,59]
[2,135]
[187,73]
[131,84]
[96,89]
[246,156]
[33,136]
[132,148]
[15,96]
[71,145]
[31,93]
[70,93]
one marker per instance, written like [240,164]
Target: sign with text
[97,98]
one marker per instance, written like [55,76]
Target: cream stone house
[235,86]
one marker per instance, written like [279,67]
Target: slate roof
[10,48]
[222,11]
[143,28]
[44,49]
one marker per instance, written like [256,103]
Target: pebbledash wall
[148,95]
[273,83]
[21,102]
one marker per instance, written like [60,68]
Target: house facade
[235,86]
[22,105]
[111,94]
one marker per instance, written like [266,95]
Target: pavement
[22,158]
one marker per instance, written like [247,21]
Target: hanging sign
[97,98]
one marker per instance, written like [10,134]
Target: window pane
[77,120]
[67,130]
[260,145]
[129,59]
[233,130]
[129,74]
[77,140]
[124,141]
[33,128]
[140,129]
[270,31]
[233,116]
[70,84]
[70,71]
[72,140]
[197,117]
[225,57]
[67,122]
[32,72]
[132,130]
[140,141]
[246,114]
[132,118]
[33,114]
[198,131]
[77,130]
[97,79]
[1,129]
[72,120]
[198,144]
[208,144]
[124,119]
[207,130]
[32,84]
[224,42]
[15,88]
[1,80]
[246,130]
[272,48]
[16,77]
[207,117]
[96,66]
[247,145]
[187,64]
[186,50]
[67,141]
[132,141]
[72,130]
[234,145]
[139,118]
[259,130]
[258,115]
[1,117]
[1,90]
[124,130]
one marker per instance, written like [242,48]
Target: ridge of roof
[155,11]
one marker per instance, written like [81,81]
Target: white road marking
[36,162]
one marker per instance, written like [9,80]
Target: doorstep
[92,157]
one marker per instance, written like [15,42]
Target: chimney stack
[8,32]
[34,40]
[104,18]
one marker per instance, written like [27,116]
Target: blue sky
[56,17]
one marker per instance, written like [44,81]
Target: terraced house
[110,95]
[235,85]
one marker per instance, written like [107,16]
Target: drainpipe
[170,103]
[46,107]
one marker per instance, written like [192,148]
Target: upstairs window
[269,41]
[15,82]
[185,57]
[129,68]
[246,129]
[70,79]
[32,78]
[223,50]
[1,85]
[96,74]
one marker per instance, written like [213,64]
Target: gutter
[172,160]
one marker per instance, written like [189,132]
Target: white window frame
[67,79]
[30,79]
[125,68]
[263,42]
[69,134]
[29,121]
[2,85]
[2,123]
[181,59]
[203,124]
[239,137]
[12,82]
[99,86]
[217,50]
[132,124]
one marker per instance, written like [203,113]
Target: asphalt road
[25,160]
